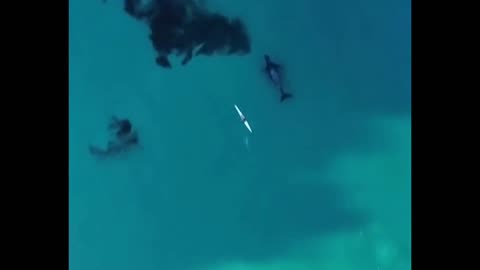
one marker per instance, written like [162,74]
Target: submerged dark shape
[136,9]
[123,139]
[163,61]
[182,26]
[121,127]
[274,72]
[130,7]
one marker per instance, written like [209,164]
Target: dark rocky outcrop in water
[184,28]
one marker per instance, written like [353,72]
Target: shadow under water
[181,26]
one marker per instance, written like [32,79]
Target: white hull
[242,117]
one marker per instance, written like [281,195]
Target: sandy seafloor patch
[324,182]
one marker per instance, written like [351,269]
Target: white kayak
[243,118]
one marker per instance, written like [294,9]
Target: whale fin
[285,96]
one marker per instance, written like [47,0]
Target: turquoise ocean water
[323,183]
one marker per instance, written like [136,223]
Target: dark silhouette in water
[274,73]
[181,26]
[163,62]
[123,127]
[124,138]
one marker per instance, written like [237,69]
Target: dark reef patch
[182,26]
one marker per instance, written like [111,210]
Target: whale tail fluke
[285,96]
